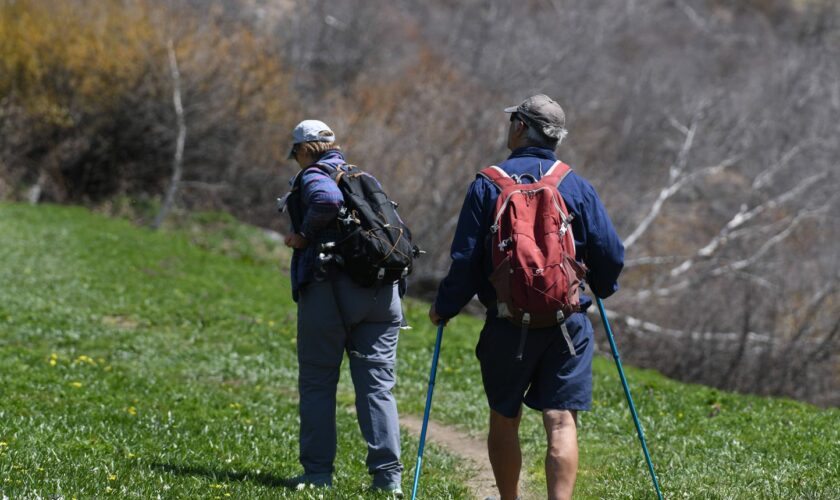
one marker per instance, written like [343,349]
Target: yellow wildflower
[112,477]
[77,385]
[235,406]
[53,359]
[131,411]
[85,359]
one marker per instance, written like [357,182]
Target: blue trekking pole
[639,430]
[428,410]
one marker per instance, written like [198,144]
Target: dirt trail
[474,451]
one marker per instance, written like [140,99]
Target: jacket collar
[332,158]
[533,151]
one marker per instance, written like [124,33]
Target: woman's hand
[295,241]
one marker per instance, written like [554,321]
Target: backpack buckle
[381,273]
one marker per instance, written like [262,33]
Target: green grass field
[142,364]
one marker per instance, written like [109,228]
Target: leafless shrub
[707,126]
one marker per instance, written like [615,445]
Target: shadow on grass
[263,478]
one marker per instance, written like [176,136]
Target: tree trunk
[177,159]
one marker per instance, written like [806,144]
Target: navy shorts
[547,378]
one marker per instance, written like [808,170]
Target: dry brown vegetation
[709,128]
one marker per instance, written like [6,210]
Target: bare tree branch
[765,177]
[177,159]
[775,240]
[650,328]
[811,309]
[668,191]
[693,16]
[652,260]
[789,225]
[678,182]
[739,219]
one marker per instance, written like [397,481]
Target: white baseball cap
[310,131]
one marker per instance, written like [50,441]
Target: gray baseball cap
[311,131]
[545,113]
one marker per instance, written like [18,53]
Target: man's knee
[500,422]
[561,431]
[559,419]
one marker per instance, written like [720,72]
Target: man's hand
[434,317]
[295,241]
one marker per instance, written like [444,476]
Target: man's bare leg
[561,458]
[505,454]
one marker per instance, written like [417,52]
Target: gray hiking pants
[334,317]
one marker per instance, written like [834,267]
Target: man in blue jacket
[335,315]
[550,378]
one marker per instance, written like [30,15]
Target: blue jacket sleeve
[604,252]
[323,200]
[465,272]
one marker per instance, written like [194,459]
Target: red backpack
[535,274]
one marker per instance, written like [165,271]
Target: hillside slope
[137,363]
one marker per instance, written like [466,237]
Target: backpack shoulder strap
[295,182]
[298,178]
[556,173]
[346,169]
[497,176]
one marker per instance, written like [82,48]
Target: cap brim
[511,109]
[291,152]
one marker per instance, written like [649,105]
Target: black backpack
[374,243]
